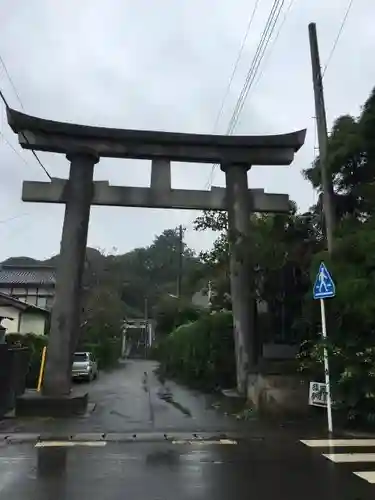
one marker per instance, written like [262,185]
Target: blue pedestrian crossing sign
[324,286]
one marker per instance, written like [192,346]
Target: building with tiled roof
[31,283]
[19,317]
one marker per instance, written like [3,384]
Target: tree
[281,247]
[152,271]
[351,163]
[351,315]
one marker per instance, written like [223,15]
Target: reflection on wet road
[251,469]
[127,401]
[152,439]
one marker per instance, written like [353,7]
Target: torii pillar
[241,274]
[84,146]
[66,310]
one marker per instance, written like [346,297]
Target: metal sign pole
[326,367]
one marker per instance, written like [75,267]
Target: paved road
[160,470]
[148,440]
[127,401]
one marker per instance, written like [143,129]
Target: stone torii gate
[83,147]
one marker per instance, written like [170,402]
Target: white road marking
[204,442]
[68,444]
[347,458]
[344,458]
[368,476]
[322,443]
[11,460]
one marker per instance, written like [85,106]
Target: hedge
[200,353]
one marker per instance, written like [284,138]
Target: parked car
[84,366]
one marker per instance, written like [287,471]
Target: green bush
[350,326]
[200,353]
[34,343]
[106,352]
[172,312]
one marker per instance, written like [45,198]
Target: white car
[84,366]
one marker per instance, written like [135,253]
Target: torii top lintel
[59,137]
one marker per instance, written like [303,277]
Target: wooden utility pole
[145,335]
[180,254]
[321,122]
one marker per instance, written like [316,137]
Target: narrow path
[133,399]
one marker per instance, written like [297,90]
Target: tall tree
[351,314]
[351,163]
[281,247]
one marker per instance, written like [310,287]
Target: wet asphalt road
[141,444]
[127,401]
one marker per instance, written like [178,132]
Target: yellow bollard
[41,371]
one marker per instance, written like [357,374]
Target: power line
[22,107]
[14,149]
[274,41]
[5,221]
[39,161]
[348,9]
[250,72]
[2,96]
[235,67]
[11,81]
[258,57]
[254,67]
[4,100]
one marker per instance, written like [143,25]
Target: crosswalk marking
[346,458]
[324,443]
[368,476]
[68,444]
[354,458]
[203,441]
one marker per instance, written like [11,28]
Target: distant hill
[143,273]
[91,254]
[21,261]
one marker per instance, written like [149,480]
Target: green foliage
[101,332]
[351,162]
[116,287]
[34,343]
[200,353]
[351,315]
[106,351]
[285,252]
[351,322]
[152,271]
[280,249]
[172,312]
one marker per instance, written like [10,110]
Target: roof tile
[27,275]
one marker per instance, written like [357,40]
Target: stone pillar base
[34,404]
[279,395]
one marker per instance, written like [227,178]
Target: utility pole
[180,254]
[146,325]
[321,122]
[209,293]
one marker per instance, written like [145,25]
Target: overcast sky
[165,65]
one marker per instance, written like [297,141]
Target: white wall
[32,323]
[41,297]
[10,312]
